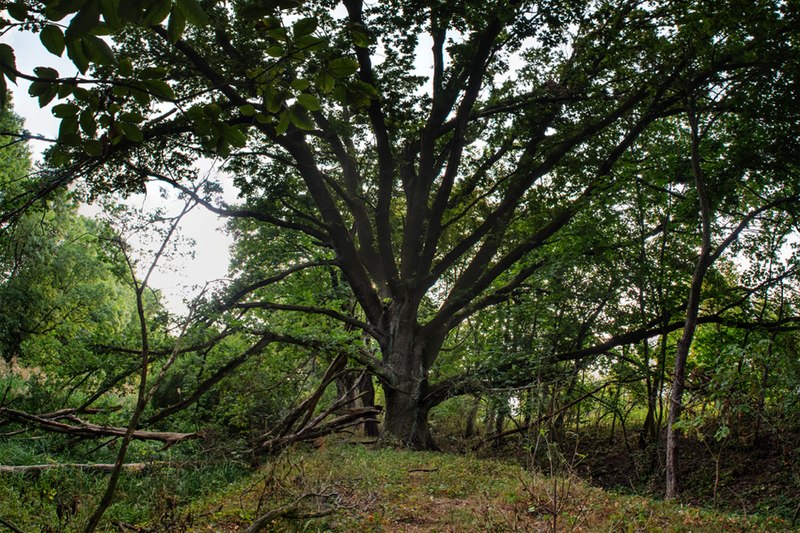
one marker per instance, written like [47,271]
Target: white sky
[176,280]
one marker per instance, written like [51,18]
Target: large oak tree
[433,153]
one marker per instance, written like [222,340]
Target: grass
[344,487]
[389,490]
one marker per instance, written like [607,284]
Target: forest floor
[348,487]
[341,486]
[753,478]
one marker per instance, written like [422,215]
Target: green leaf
[93,147]
[195,113]
[82,94]
[361,39]
[212,110]
[131,132]
[86,20]
[283,122]
[325,82]
[65,89]
[247,110]
[305,26]
[275,50]
[176,25]
[68,128]
[8,63]
[340,93]
[193,12]
[131,117]
[365,88]
[76,53]
[37,88]
[308,101]
[300,84]
[58,10]
[278,34]
[110,11]
[18,10]
[142,97]
[46,73]
[310,43]
[48,95]
[152,72]
[88,123]
[256,11]
[125,66]
[274,101]
[160,89]
[98,50]
[122,92]
[59,157]
[342,67]
[157,12]
[722,433]
[300,118]
[53,39]
[65,110]
[234,136]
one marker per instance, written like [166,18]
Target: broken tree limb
[291,510]
[308,405]
[87,430]
[10,526]
[525,427]
[315,430]
[103,467]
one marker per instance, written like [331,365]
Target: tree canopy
[443,160]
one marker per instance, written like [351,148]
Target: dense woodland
[560,234]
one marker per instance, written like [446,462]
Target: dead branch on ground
[87,430]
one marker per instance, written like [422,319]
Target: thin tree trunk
[692,312]
[472,415]
[367,389]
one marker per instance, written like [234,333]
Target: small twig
[287,511]
[10,526]
[123,526]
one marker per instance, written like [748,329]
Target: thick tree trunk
[408,358]
[406,420]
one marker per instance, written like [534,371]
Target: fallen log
[103,467]
[87,430]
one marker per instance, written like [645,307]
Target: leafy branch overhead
[440,167]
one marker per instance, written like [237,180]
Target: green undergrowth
[355,488]
[63,498]
[344,487]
